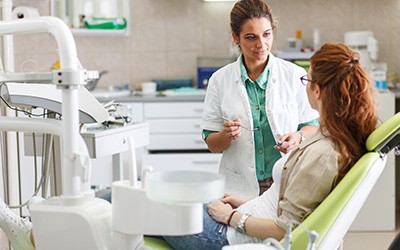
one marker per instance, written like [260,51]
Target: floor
[3,241]
[352,241]
[368,240]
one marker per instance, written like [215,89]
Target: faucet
[91,84]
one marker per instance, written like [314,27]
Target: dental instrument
[255,129]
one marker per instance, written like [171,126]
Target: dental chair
[334,216]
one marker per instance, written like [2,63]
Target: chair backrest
[334,216]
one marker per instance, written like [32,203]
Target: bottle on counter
[299,40]
[316,40]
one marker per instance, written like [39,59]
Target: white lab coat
[286,107]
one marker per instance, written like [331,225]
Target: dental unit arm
[76,219]
[48,96]
[68,79]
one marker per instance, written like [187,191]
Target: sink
[184,186]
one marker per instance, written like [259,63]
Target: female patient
[340,90]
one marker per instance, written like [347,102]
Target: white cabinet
[175,138]
[135,110]
[176,142]
[174,126]
[167,110]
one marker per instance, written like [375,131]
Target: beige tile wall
[166,36]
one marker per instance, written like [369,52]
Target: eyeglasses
[304,80]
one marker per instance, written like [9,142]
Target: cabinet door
[177,142]
[173,110]
[135,110]
[174,126]
[196,162]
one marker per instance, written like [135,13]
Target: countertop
[128,97]
[396,92]
[141,98]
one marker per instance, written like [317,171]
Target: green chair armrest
[157,243]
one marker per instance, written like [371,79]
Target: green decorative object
[105,23]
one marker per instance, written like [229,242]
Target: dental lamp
[164,203]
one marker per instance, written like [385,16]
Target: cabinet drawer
[174,126]
[196,162]
[176,142]
[136,111]
[173,110]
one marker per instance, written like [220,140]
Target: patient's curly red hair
[348,96]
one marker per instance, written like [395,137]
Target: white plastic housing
[184,186]
[134,213]
[87,226]
[49,96]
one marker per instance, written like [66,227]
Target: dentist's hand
[232,129]
[287,142]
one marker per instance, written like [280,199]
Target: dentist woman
[255,111]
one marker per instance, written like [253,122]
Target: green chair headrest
[383,134]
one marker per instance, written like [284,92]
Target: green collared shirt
[265,153]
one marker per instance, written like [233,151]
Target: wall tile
[147,38]
[102,44]
[34,43]
[145,66]
[184,25]
[168,35]
[181,65]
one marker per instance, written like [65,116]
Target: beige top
[302,180]
[309,175]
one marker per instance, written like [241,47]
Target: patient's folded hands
[17,229]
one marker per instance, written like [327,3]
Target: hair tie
[354,61]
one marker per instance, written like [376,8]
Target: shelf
[73,11]
[100,32]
